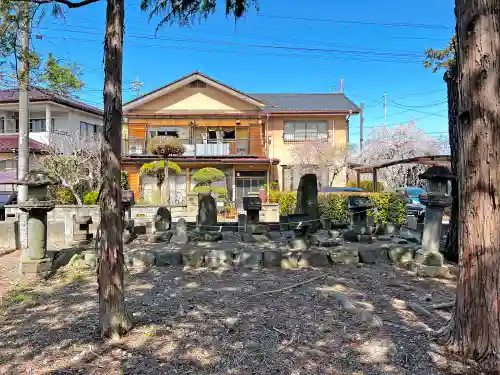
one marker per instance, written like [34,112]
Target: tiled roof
[11,142]
[306,102]
[40,94]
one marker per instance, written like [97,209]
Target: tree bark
[166,185]
[474,330]
[113,318]
[451,78]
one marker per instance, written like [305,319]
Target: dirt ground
[9,272]
[219,322]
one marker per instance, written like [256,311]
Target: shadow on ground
[217,322]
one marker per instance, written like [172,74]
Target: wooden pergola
[430,160]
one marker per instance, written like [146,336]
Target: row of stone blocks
[243,259]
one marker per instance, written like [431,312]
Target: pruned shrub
[157,169]
[366,185]
[207,176]
[165,146]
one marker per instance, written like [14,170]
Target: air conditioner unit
[135,150]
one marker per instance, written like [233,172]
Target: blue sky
[369,44]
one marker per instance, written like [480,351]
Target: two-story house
[53,118]
[248,136]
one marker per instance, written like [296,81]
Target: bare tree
[322,158]
[400,142]
[76,163]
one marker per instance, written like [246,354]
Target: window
[87,129]
[164,132]
[305,131]
[38,125]
[2,125]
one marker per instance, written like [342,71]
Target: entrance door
[247,182]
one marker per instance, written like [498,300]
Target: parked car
[6,197]
[415,209]
[411,192]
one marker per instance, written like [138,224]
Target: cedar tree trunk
[451,247]
[475,327]
[113,318]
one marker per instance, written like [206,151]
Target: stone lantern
[360,230]
[33,258]
[435,201]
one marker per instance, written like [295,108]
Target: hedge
[90,197]
[366,185]
[391,208]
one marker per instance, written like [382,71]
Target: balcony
[202,147]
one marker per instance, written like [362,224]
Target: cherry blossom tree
[400,142]
[322,158]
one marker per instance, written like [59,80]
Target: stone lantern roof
[437,173]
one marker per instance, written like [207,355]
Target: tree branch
[69,4]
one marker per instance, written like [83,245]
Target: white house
[68,119]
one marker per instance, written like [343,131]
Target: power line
[341,54]
[357,22]
[263,46]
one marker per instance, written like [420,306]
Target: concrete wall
[60,221]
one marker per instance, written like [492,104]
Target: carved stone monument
[206,224]
[307,200]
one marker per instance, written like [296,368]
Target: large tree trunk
[114,320]
[475,327]
[451,247]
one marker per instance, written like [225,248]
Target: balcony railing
[202,147]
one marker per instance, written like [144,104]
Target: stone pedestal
[435,201]
[33,258]
[253,231]
[302,226]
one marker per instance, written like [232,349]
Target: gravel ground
[219,322]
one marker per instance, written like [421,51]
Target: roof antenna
[342,85]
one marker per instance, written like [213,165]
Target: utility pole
[342,84]
[136,84]
[23,131]
[361,124]
[385,109]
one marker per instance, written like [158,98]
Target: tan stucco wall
[279,149]
[197,100]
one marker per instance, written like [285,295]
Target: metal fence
[201,147]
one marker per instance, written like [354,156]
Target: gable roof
[184,81]
[269,103]
[38,94]
[307,102]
